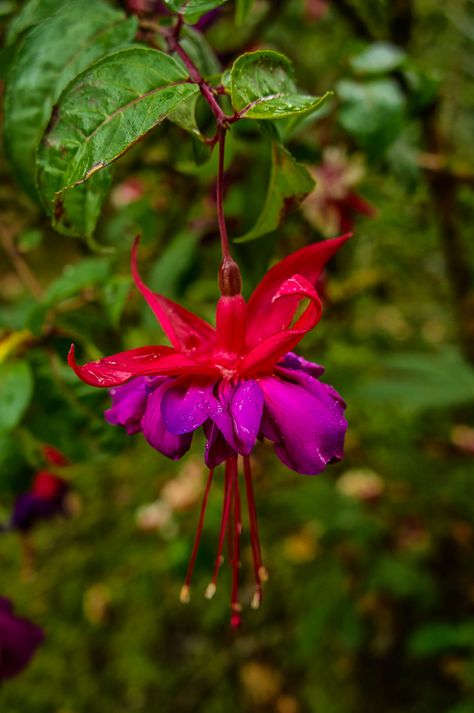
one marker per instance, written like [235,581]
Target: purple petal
[221,412]
[155,431]
[246,408]
[19,640]
[293,361]
[308,421]
[185,407]
[320,390]
[238,414]
[129,402]
[217,448]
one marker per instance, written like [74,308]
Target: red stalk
[185,589]
[236,607]
[211,587]
[260,571]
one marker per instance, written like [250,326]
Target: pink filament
[254,536]
[197,538]
[229,465]
[236,531]
[231,526]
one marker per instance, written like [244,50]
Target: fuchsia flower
[334,203]
[240,381]
[47,496]
[19,640]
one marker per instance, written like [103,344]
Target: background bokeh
[369,603]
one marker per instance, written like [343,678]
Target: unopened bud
[230,279]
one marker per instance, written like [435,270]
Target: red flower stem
[259,570]
[230,527]
[211,587]
[237,529]
[194,73]
[223,122]
[185,589]
[221,133]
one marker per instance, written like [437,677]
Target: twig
[23,271]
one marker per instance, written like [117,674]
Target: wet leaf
[51,55]
[104,112]
[263,81]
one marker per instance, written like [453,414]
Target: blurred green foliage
[369,603]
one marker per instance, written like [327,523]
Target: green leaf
[75,278]
[16,389]
[104,112]
[14,470]
[372,112]
[52,54]
[415,382]
[30,14]
[175,262]
[200,51]
[76,213]
[114,297]
[289,184]
[263,82]
[242,9]
[192,10]
[438,637]
[378,58]
[89,272]
[29,240]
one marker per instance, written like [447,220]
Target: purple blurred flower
[19,639]
[46,498]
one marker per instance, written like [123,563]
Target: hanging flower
[19,639]
[334,203]
[47,497]
[240,381]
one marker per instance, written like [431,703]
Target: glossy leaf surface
[263,82]
[52,54]
[104,112]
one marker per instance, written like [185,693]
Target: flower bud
[230,279]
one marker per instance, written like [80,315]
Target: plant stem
[23,270]
[221,132]
[223,122]
[194,73]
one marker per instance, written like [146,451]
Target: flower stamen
[229,465]
[235,605]
[185,593]
[261,574]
